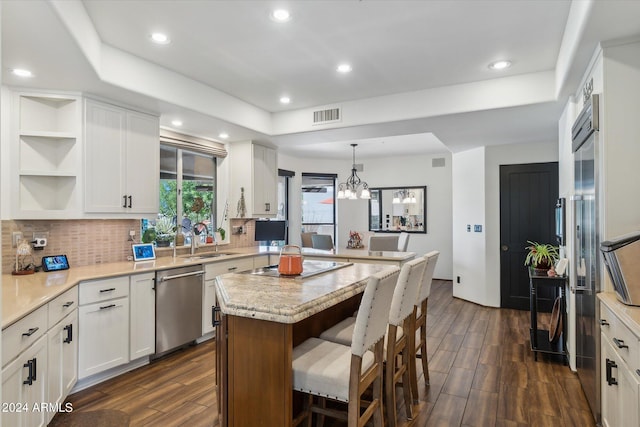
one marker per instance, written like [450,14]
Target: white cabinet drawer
[104,289]
[223,267]
[260,261]
[23,333]
[620,337]
[62,305]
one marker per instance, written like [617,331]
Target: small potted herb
[541,256]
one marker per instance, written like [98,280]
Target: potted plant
[222,232]
[541,256]
[165,231]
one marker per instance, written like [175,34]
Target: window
[318,209]
[187,190]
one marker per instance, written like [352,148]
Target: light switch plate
[17,236]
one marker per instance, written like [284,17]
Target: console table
[540,342]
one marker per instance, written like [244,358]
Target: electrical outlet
[132,233]
[40,235]
[17,236]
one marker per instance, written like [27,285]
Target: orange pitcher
[290,263]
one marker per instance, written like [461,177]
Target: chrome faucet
[194,241]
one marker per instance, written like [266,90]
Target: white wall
[469,254]
[387,172]
[476,200]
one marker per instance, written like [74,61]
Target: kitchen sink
[196,257]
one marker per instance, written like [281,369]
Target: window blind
[192,143]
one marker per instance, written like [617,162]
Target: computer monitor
[271,230]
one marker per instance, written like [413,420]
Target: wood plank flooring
[482,374]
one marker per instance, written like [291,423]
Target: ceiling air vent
[331,115]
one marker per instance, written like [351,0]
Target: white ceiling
[396,48]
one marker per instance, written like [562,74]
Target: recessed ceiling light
[160,38]
[176,122]
[280,15]
[500,65]
[285,100]
[344,68]
[224,135]
[21,72]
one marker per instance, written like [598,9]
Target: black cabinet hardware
[107,306]
[30,332]
[214,317]
[124,205]
[620,343]
[67,304]
[30,378]
[107,290]
[130,199]
[603,322]
[610,379]
[69,329]
[232,268]
[267,207]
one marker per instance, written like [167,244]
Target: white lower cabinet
[104,336]
[62,372]
[620,367]
[214,269]
[142,296]
[208,302]
[24,387]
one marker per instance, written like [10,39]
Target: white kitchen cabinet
[620,372]
[103,318]
[142,297]
[24,385]
[122,155]
[211,271]
[208,302]
[62,372]
[254,167]
[46,153]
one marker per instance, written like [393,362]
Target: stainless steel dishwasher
[178,307]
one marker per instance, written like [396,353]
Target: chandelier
[349,189]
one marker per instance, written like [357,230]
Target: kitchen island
[262,319]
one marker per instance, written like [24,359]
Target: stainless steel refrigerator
[586,283]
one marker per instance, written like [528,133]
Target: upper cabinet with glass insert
[122,152]
[46,155]
[254,168]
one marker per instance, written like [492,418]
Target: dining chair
[399,352]
[305,239]
[321,241]
[383,243]
[420,324]
[403,241]
[344,373]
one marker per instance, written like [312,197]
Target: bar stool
[398,353]
[420,325]
[342,373]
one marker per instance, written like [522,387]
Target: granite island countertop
[290,299]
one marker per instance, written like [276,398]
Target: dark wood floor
[482,374]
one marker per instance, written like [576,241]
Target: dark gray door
[528,195]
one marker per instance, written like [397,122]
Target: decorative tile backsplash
[93,241]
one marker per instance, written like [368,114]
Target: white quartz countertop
[630,315]
[287,299]
[23,294]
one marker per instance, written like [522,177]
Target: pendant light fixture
[349,189]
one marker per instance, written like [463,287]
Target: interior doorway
[528,195]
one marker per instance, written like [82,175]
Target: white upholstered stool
[420,324]
[400,318]
[344,373]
